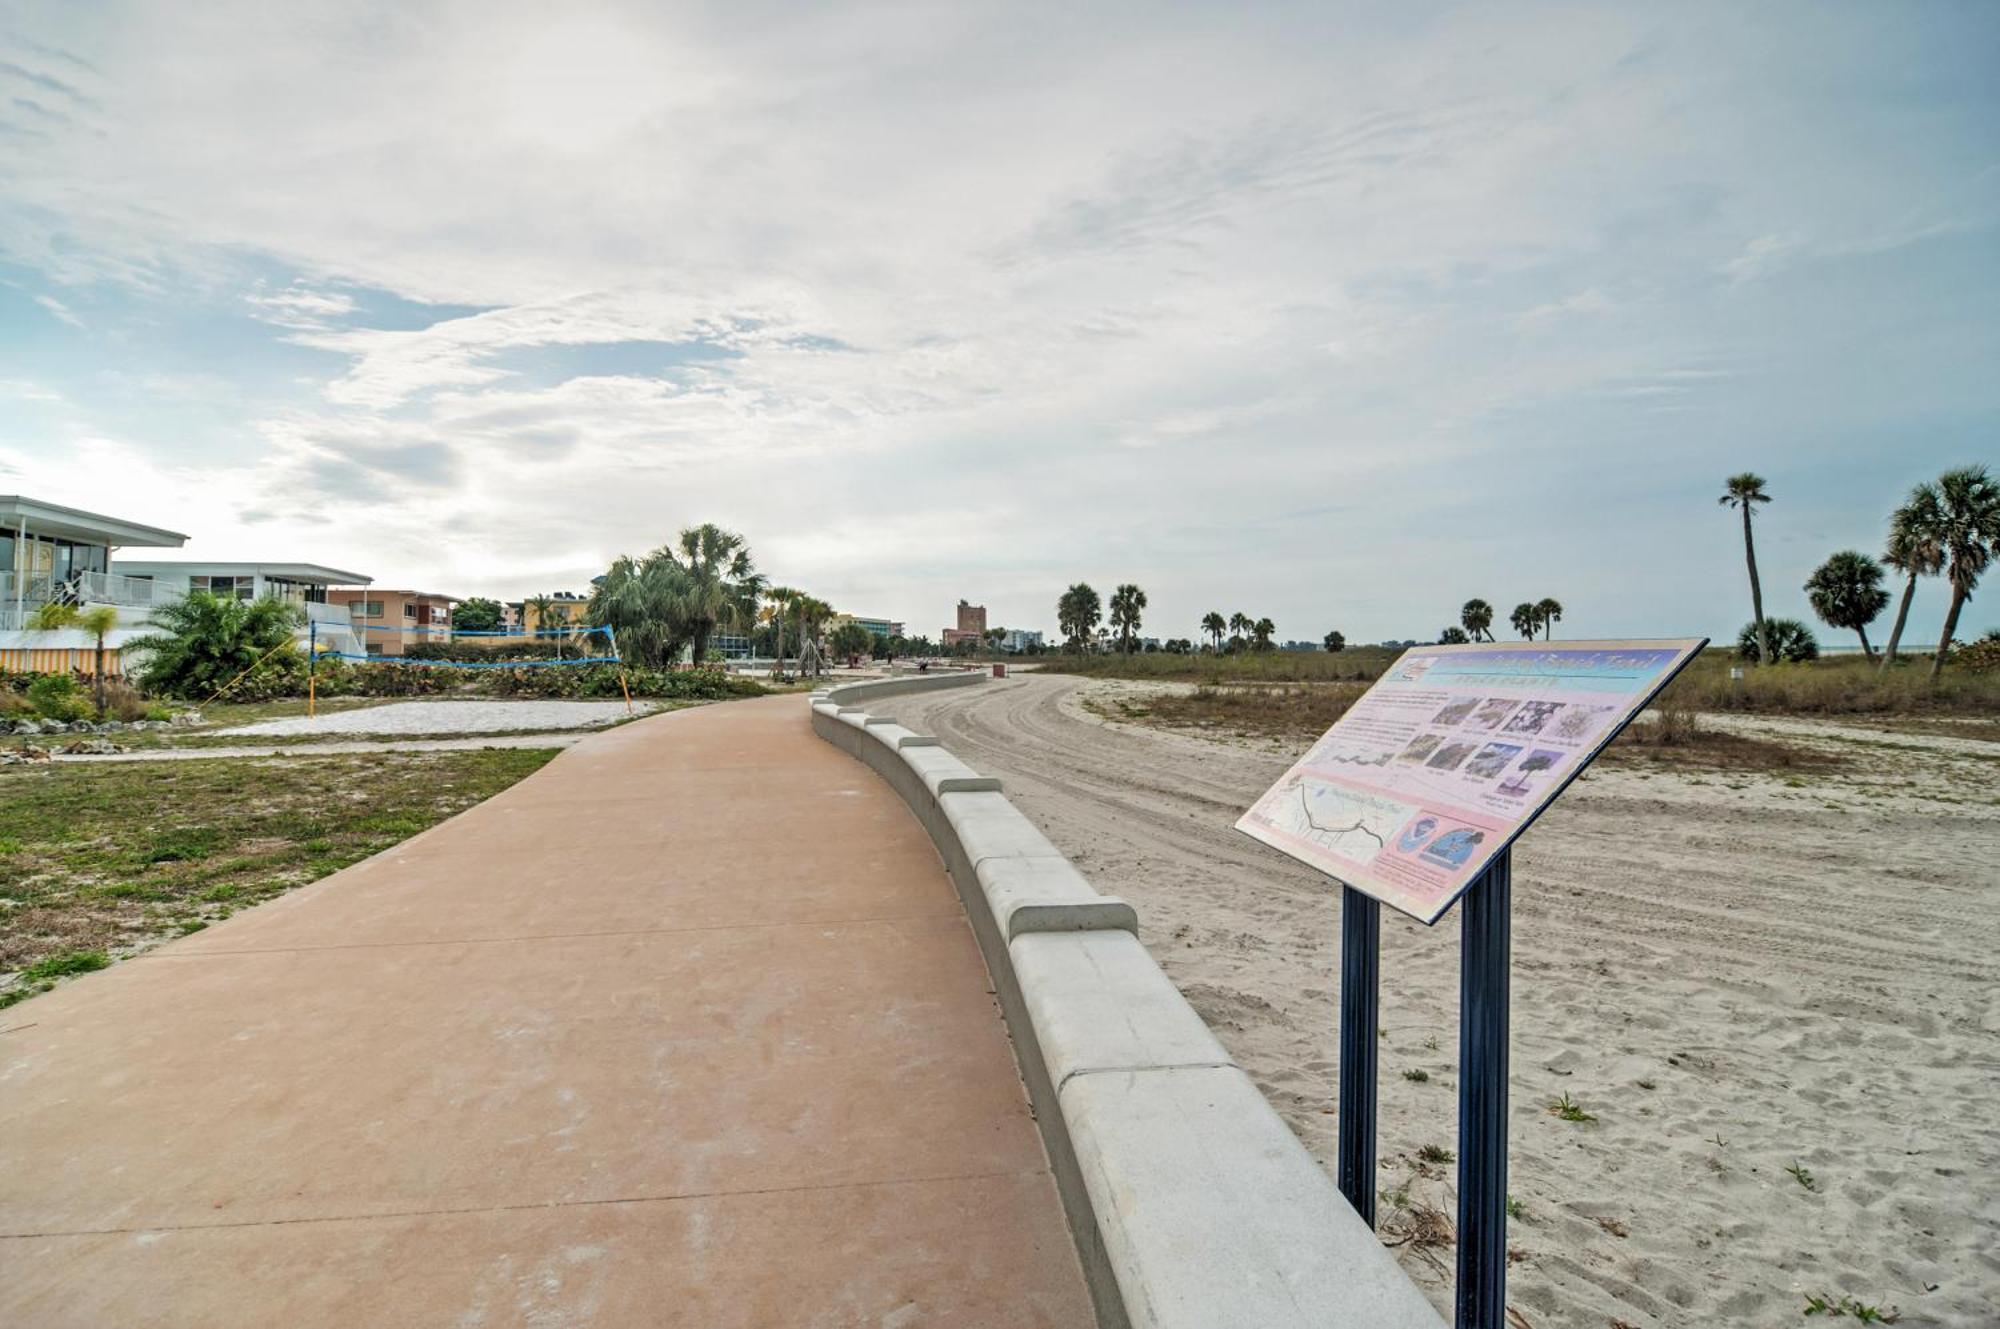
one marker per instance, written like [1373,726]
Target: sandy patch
[448,717]
[1735,974]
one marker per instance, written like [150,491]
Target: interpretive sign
[1450,756]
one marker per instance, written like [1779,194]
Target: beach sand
[1736,974]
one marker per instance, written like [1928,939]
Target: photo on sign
[1528,774]
[1491,713]
[1532,716]
[1492,760]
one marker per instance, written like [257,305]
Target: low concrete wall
[1192,1204]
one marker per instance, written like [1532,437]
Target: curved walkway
[686,1029]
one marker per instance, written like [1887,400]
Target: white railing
[101,588]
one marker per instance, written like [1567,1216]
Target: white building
[51,554]
[328,626]
[1019,640]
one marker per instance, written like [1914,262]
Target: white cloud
[59,310]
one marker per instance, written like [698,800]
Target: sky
[1334,314]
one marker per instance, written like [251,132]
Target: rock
[92,747]
[186,718]
[22,755]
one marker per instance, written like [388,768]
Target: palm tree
[1791,642]
[1214,624]
[1335,640]
[1477,620]
[1746,491]
[1525,619]
[722,586]
[1239,623]
[1548,612]
[1077,613]
[1260,633]
[1913,551]
[541,611]
[97,622]
[812,614]
[1969,535]
[640,600]
[778,602]
[1452,635]
[1846,592]
[1127,603]
[203,641]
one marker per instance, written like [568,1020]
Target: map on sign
[1449,757]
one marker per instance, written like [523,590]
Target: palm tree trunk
[99,680]
[1756,590]
[1902,616]
[1867,651]
[1950,627]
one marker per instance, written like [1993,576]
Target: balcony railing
[34,589]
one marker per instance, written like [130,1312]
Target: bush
[57,697]
[1792,642]
[1981,656]
[123,702]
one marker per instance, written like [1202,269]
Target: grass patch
[113,858]
[1362,664]
[1569,1109]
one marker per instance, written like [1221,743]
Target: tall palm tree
[1746,491]
[640,601]
[1077,613]
[1548,612]
[1846,592]
[1260,633]
[1239,624]
[778,602]
[722,585]
[543,610]
[1525,619]
[1477,620]
[1214,624]
[1969,534]
[1127,604]
[1913,551]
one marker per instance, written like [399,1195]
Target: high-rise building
[971,625]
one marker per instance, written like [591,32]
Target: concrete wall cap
[1100,1003]
[1213,1214]
[916,741]
[988,826]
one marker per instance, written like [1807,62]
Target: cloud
[58,310]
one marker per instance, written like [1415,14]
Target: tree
[478,614]
[1914,550]
[1077,614]
[1476,617]
[1128,602]
[540,611]
[722,585]
[1746,491]
[1260,633]
[811,616]
[1969,535]
[639,600]
[777,610]
[1846,592]
[1335,640]
[1239,624]
[97,622]
[1214,624]
[1791,642]
[1525,619]
[1453,636]
[1548,612]
[204,641]
[850,639]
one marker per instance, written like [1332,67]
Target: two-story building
[326,626]
[389,622]
[51,554]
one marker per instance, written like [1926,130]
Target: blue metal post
[1360,969]
[1482,1097]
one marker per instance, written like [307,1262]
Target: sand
[1736,975]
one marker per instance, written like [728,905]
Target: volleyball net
[579,634]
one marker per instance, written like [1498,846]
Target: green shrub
[57,697]
[1792,642]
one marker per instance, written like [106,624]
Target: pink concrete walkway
[687,1029]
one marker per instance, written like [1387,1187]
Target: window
[371,609]
[409,609]
[242,588]
[374,648]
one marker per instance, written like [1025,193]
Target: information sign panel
[1450,756]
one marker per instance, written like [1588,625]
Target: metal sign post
[1484,962]
[1360,967]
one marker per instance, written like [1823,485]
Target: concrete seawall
[1193,1206]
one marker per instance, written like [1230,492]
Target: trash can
[999,671]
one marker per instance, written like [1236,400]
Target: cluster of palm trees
[678,597]
[1949,527]
[1245,632]
[1475,621]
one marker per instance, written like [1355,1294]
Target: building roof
[373,590]
[312,572]
[55,521]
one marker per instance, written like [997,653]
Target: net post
[1360,970]
[1482,1097]
[312,669]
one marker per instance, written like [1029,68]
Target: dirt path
[1734,976]
[551,740]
